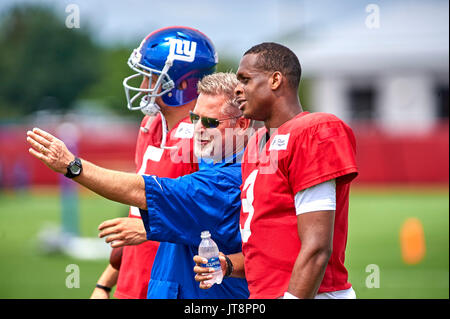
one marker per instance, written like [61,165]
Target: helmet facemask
[164,84]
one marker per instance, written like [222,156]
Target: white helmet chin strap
[151,108]
[164,133]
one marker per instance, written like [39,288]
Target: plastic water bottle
[208,249]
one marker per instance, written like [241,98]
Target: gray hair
[221,83]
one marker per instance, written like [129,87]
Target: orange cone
[412,241]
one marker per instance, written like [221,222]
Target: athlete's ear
[183,85]
[275,80]
[243,124]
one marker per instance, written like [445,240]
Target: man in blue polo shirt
[180,209]
[175,211]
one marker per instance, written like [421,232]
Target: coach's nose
[198,127]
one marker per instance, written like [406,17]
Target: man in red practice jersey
[169,62]
[296,175]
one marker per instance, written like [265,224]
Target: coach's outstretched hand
[49,150]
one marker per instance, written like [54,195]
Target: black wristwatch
[74,169]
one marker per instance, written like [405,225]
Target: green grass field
[27,273]
[375,218]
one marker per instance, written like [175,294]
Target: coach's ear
[275,80]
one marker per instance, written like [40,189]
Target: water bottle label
[213,262]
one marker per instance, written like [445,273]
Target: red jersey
[175,160]
[307,150]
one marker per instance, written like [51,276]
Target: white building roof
[411,36]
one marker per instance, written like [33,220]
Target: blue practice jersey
[178,211]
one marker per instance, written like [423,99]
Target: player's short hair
[276,57]
[221,83]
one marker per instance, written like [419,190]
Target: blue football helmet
[167,57]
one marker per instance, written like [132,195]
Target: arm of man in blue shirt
[180,209]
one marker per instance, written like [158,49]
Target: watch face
[74,169]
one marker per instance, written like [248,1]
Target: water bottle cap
[205,234]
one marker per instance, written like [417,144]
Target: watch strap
[75,162]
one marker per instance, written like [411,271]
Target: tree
[43,64]
[108,91]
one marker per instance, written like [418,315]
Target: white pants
[340,294]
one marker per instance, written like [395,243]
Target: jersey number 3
[247,204]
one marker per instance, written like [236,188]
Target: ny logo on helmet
[182,50]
